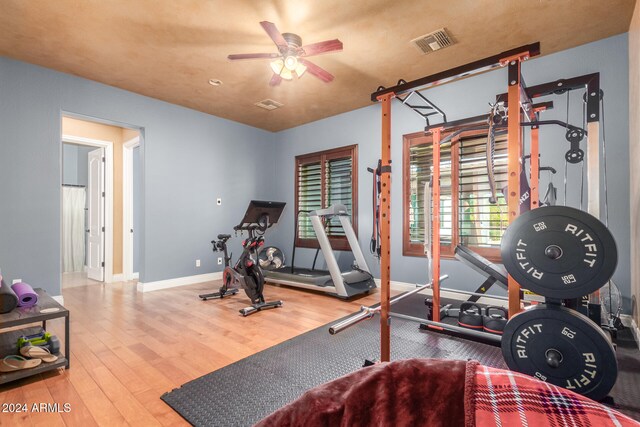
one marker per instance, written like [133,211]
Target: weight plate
[562,347]
[559,252]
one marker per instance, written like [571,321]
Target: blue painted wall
[75,168]
[462,99]
[69,164]
[189,159]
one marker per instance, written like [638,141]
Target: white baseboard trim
[59,299]
[136,276]
[179,281]
[117,278]
[405,286]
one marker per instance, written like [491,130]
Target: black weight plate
[586,361]
[587,252]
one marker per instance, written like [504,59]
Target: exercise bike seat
[224,236]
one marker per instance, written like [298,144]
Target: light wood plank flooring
[128,348]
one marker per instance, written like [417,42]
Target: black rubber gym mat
[245,392]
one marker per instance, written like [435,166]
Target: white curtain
[73,246]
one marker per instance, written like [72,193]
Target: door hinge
[103,263]
[103,229]
[103,161]
[103,194]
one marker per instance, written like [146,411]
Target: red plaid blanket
[505,398]
[432,392]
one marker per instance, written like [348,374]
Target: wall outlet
[218,201]
[197,263]
[16,281]
[219,260]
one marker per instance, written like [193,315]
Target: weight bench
[494,273]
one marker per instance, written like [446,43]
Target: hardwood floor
[76,279]
[128,348]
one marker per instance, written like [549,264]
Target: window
[466,216]
[324,179]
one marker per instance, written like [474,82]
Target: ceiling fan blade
[252,56]
[321,47]
[275,80]
[275,35]
[320,73]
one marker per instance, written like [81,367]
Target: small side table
[24,316]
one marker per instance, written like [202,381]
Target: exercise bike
[246,272]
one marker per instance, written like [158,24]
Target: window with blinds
[466,216]
[481,224]
[309,196]
[338,189]
[421,168]
[324,179]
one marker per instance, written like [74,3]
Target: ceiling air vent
[268,104]
[433,41]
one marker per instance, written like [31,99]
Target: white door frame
[127,208]
[108,187]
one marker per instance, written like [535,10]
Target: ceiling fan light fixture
[290,62]
[278,67]
[300,69]
[285,64]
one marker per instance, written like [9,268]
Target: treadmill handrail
[333,210]
[327,250]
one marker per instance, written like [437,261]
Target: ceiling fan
[291,57]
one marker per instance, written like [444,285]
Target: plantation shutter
[324,179]
[481,224]
[420,163]
[309,195]
[338,190]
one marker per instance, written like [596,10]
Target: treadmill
[358,280]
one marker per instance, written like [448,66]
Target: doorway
[87,196]
[93,199]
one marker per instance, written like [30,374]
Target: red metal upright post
[514,155]
[535,169]
[385,230]
[435,224]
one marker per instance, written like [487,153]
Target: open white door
[95,227]
[131,193]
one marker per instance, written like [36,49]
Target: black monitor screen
[258,208]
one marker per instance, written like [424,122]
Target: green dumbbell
[42,339]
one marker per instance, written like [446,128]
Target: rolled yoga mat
[27,297]
[8,298]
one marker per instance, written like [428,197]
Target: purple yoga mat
[26,295]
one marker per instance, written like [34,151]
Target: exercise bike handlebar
[369,312]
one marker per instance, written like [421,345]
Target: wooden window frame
[446,251]
[337,242]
